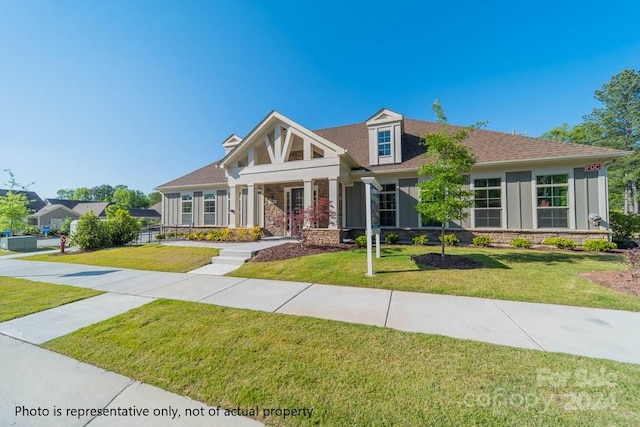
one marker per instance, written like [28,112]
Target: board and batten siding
[221,208]
[198,208]
[171,209]
[407,201]
[519,200]
[356,206]
[587,197]
[465,223]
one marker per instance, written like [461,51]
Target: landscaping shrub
[559,242]
[241,234]
[598,245]
[256,233]
[361,241]
[65,227]
[171,235]
[90,233]
[633,258]
[391,238]
[421,239]
[122,228]
[160,237]
[521,242]
[225,235]
[449,239]
[31,230]
[624,227]
[482,241]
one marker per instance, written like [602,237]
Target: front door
[295,201]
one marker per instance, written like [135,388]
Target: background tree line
[120,195]
[616,124]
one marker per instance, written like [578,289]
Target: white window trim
[568,170]
[215,212]
[391,145]
[182,203]
[503,199]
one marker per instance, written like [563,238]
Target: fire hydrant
[63,242]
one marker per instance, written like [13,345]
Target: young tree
[14,207]
[122,227]
[90,233]
[442,195]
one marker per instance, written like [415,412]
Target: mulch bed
[294,250]
[457,262]
[620,281]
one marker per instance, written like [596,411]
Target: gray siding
[58,214]
[171,209]
[586,197]
[408,199]
[465,223]
[356,206]
[244,195]
[519,207]
[198,208]
[221,208]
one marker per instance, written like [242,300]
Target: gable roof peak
[384,115]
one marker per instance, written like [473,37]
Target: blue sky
[142,92]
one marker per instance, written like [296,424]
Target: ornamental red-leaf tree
[299,222]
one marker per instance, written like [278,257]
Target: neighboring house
[522,185]
[55,211]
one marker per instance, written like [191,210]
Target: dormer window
[384,143]
[385,137]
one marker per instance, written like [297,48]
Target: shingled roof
[210,174]
[489,147]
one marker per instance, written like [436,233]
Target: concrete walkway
[608,334]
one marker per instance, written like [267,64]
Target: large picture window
[210,208]
[187,208]
[388,205]
[487,202]
[384,143]
[552,200]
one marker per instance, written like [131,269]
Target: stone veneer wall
[324,236]
[273,210]
[498,236]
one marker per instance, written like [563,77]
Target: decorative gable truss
[277,140]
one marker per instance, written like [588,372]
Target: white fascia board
[393,117]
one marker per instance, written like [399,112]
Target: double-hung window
[388,205]
[187,209]
[210,208]
[487,202]
[553,200]
[384,142]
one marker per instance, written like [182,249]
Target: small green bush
[160,237]
[171,235]
[559,242]
[521,242]
[391,238]
[122,227]
[449,239]
[361,241]
[420,239]
[65,228]
[598,245]
[482,241]
[31,230]
[256,233]
[90,233]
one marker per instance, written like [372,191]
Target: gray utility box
[19,243]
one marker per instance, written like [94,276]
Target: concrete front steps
[232,256]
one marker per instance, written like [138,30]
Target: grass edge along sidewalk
[549,277]
[20,297]
[349,373]
[150,257]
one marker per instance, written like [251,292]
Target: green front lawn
[19,297]
[153,257]
[352,374]
[510,274]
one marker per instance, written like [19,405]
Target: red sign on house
[593,167]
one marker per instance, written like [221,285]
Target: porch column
[308,196]
[251,202]
[233,204]
[344,206]
[333,198]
